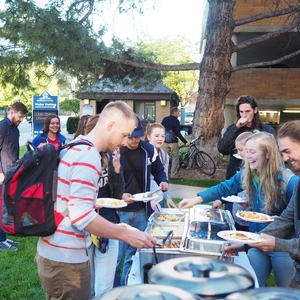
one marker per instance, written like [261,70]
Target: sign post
[43,105]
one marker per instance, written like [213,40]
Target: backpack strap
[43,135]
[287,174]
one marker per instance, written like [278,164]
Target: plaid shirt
[9,145]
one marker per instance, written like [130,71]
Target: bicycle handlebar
[196,139]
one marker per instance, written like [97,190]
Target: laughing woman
[270,187]
[50,133]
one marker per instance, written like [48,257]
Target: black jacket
[226,145]
[172,123]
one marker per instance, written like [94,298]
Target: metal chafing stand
[195,230]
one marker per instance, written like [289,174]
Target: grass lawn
[18,276]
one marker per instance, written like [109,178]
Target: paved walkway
[184,191]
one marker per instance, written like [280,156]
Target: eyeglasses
[103,245]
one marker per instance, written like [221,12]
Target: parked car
[189,117]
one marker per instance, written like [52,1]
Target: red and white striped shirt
[78,183]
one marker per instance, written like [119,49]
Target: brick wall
[266,83]
[246,8]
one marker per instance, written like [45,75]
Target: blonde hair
[268,176]
[149,129]
[242,138]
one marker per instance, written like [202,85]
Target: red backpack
[28,192]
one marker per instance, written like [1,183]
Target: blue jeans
[263,263]
[138,220]
[2,235]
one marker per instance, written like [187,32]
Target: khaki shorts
[64,280]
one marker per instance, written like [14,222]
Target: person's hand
[1,177]
[164,186]
[188,202]
[217,204]
[267,245]
[170,203]
[140,239]
[245,203]
[242,122]
[187,144]
[154,204]
[232,248]
[127,197]
[116,160]
[41,145]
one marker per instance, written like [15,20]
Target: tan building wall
[248,8]
[266,83]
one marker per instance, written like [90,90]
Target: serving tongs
[168,239]
[150,194]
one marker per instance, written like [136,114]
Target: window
[145,110]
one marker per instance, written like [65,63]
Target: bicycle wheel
[205,163]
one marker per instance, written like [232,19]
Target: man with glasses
[139,159]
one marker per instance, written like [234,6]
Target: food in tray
[174,244]
[178,230]
[252,215]
[170,218]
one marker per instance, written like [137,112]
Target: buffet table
[196,230]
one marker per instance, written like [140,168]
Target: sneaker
[12,242]
[7,246]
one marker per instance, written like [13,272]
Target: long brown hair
[48,121]
[256,123]
[271,166]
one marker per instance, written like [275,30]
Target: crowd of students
[88,250]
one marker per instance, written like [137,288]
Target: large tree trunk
[215,71]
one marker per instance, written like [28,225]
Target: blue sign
[43,105]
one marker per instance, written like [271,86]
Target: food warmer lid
[202,276]
[148,292]
[267,293]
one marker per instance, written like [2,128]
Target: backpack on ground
[169,136]
[28,192]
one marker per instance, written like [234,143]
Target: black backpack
[28,192]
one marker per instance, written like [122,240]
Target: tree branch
[266,63]
[268,14]
[91,3]
[157,67]
[266,37]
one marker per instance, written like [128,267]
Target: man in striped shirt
[61,258]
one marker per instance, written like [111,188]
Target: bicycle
[202,160]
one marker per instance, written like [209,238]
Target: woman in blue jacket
[50,133]
[270,189]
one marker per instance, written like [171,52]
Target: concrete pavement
[184,191]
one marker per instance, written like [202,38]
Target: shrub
[72,124]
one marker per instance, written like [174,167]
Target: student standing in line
[9,154]
[270,187]
[155,135]
[50,133]
[139,160]
[62,258]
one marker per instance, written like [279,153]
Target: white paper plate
[237,156]
[258,220]
[110,203]
[140,197]
[229,235]
[234,199]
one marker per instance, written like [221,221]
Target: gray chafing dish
[200,235]
[204,242]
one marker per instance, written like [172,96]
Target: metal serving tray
[153,228]
[210,215]
[168,217]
